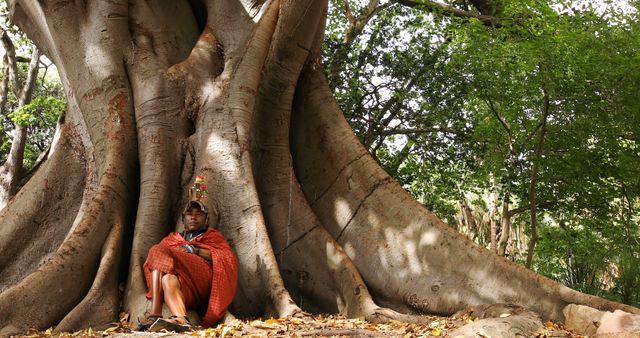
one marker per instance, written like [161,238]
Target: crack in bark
[254,206]
[337,177]
[385,181]
[155,98]
[297,239]
[303,47]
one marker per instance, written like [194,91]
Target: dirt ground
[312,326]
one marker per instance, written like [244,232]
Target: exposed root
[107,132]
[319,268]
[425,265]
[102,303]
[50,192]
[343,332]
[499,320]
[74,260]
[319,272]
[272,161]
[384,315]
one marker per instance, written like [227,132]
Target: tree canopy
[471,116]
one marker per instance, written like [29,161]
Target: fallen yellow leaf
[111,329]
[436,332]
[371,327]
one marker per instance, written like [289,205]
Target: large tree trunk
[160,91]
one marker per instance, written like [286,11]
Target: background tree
[232,90]
[512,126]
[28,125]
[12,169]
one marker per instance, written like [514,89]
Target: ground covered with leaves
[313,326]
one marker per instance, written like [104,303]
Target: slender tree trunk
[509,163]
[493,208]
[505,227]
[4,85]
[356,25]
[12,170]
[469,224]
[534,181]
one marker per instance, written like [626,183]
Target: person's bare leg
[173,297]
[156,293]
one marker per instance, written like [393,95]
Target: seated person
[182,269]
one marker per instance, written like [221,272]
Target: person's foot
[173,323]
[145,324]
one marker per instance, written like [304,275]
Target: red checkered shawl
[225,270]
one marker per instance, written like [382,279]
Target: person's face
[195,219]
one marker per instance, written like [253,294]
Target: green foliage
[40,115]
[585,65]
[425,94]
[576,257]
[628,278]
[41,110]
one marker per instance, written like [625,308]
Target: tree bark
[509,162]
[361,206]
[486,8]
[534,181]
[505,226]
[493,208]
[233,91]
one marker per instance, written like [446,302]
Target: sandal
[172,323]
[146,323]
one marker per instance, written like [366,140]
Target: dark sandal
[146,323]
[171,324]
